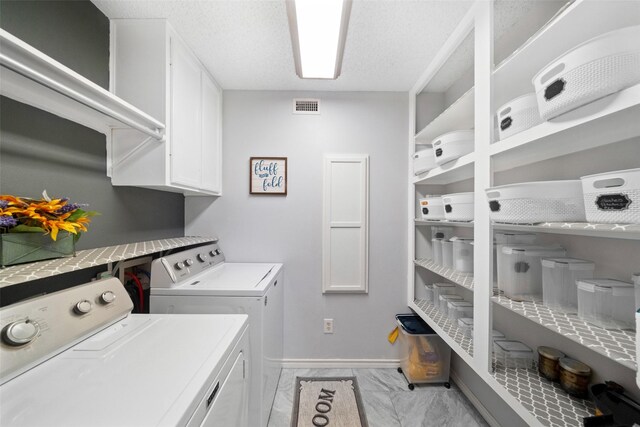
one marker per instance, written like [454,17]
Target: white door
[211,136]
[185,117]
[228,405]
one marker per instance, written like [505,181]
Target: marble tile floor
[387,400]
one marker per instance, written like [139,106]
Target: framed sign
[268,175]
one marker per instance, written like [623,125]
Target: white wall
[288,229]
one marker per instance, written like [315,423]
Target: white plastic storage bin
[594,69]
[429,290]
[425,357]
[431,208]
[445,300]
[458,309]
[436,246]
[458,207]
[423,160]
[612,197]
[452,146]
[513,354]
[447,253]
[442,289]
[535,202]
[607,303]
[520,270]
[518,115]
[559,275]
[438,232]
[463,255]
[507,238]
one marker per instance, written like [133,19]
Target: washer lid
[227,279]
[146,370]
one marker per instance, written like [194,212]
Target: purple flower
[4,204]
[7,221]
[70,207]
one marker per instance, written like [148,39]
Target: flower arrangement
[48,216]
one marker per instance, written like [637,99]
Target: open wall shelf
[457,170]
[458,116]
[467,224]
[615,231]
[464,280]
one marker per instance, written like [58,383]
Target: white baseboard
[474,400]
[340,363]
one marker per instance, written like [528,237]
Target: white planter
[452,146]
[518,115]
[612,197]
[535,202]
[458,207]
[601,66]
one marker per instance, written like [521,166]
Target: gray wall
[41,151]
[288,229]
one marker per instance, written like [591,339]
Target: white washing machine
[77,358]
[198,280]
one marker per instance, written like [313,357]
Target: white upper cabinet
[151,67]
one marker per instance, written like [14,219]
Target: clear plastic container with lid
[444,302]
[559,275]
[436,246]
[458,309]
[442,289]
[520,270]
[463,255]
[513,354]
[636,283]
[507,238]
[429,289]
[440,232]
[447,253]
[607,303]
[465,324]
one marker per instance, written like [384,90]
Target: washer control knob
[107,297]
[217,251]
[20,332]
[179,265]
[83,307]
[189,262]
[202,257]
[212,253]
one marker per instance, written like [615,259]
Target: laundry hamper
[425,357]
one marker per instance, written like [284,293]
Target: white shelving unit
[31,77]
[605,123]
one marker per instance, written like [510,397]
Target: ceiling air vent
[306,106]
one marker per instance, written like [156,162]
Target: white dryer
[198,280]
[78,358]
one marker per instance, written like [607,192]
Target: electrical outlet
[328,326]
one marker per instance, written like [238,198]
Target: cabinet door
[211,136]
[185,101]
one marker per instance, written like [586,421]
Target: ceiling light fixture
[318,34]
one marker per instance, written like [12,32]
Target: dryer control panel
[180,266]
[34,330]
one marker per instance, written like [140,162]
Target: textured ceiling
[246,44]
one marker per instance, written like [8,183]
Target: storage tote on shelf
[458,309]
[507,238]
[453,145]
[425,356]
[601,66]
[536,202]
[423,160]
[559,275]
[518,115]
[440,232]
[513,354]
[463,255]
[458,206]
[429,292]
[607,303]
[431,208]
[612,197]
[520,270]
